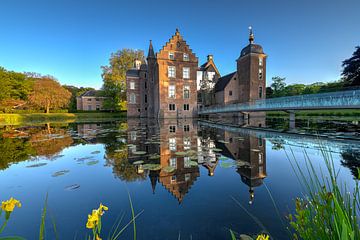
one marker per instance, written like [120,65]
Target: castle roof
[209,63]
[223,82]
[132,72]
[252,48]
[92,93]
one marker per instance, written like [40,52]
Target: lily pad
[222,141]
[139,153]
[154,157]
[180,153]
[152,167]
[72,187]
[193,164]
[95,152]
[169,169]
[59,173]
[36,165]
[138,162]
[216,149]
[226,164]
[92,163]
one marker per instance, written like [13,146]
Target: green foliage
[328,210]
[14,89]
[351,71]
[19,119]
[114,77]
[14,150]
[280,89]
[278,85]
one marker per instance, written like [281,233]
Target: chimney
[209,57]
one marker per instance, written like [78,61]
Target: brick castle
[169,83]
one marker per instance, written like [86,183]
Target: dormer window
[186,57]
[171,56]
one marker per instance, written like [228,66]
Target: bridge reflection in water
[183,147]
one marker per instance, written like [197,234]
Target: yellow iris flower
[96,214]
[9,205]
[263,237]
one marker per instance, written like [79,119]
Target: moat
[192,179]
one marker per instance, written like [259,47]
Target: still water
[191,179]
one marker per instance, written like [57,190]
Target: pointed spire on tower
[151,53]
[251,35]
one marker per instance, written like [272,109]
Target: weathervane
[251,35]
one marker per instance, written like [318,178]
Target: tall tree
[49,94]
[278,86]
[351,71]
[114,76]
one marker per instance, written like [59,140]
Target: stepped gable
[177,43]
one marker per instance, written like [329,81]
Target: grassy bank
[18,119]
[334,113]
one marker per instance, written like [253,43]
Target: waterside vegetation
[20,119]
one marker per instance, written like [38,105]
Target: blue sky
[306,41]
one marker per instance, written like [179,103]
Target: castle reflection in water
[184,147]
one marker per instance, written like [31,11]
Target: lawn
[19,119]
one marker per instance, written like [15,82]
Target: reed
[327,210]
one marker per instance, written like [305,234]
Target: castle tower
[151,81]
[251,70]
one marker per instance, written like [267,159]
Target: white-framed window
[172,93]
[187,143]
[171,56]
[132,98]
[261,170]
[171,71]
[260,61]
[186,57]
[172,144]
[210,75]
[186,72]
[187,162]
[260,74]
[260,158]
[173,162]
[186,92]
[132,85]
[133,135]
[172,107]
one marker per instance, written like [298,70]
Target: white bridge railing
[332,100]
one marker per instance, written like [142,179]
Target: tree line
[32,92]
[350,80]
